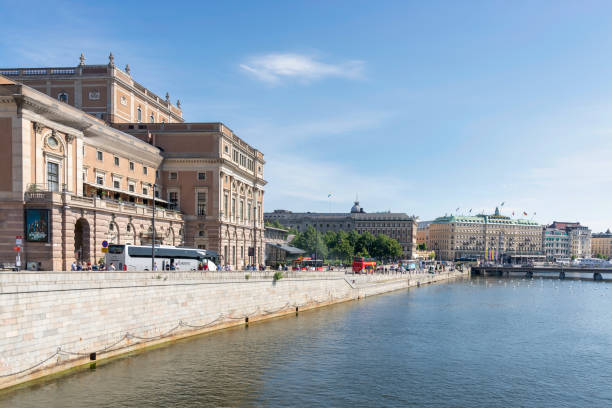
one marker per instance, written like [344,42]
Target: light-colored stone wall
[61,317]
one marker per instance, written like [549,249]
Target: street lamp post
[153,234]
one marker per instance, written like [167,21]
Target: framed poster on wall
[36,225]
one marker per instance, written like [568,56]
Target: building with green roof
[484,236]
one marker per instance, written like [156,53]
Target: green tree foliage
[312,242]
[342,245]
[422,247]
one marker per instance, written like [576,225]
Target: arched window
[152,119]
[139,115]
[62,97]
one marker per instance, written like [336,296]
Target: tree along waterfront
[344,245]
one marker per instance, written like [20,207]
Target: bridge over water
[561,272]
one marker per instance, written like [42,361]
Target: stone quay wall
[54,321]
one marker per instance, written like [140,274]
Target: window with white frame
[145,170]
[53,176]
[173,175]
[132,166]
[117,183]
[100,178]
[201,202]
[241,210]
[131,186]
[100,155]
[116,161]
[201,176]
[139,115]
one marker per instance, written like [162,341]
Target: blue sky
[419,107]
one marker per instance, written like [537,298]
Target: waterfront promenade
[54,321]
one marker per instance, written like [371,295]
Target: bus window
[116,249]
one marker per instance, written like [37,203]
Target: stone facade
[83,312]
[58,160]
[216,180]
[104,91]
[487,237]
[556,244]
[580,237]
[601,244]
[398,226]
[84,181]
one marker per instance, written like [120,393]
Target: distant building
[601,244]
[580,237]
[398,226]
[556,243]
[422,236]
[483,237]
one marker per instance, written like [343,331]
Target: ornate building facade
[579,237]
[69,182]
[103,91]
[87,148]
[398,226]
[483,237]
[216,180]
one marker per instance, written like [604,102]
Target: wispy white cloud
[350,123]
[273,68]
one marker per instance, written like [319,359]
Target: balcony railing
[116,206]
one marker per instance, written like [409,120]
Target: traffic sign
[104,244]
[18,241]
[104,250]
[16,248]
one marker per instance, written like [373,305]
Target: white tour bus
[167,258]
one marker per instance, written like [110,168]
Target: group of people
[88,266]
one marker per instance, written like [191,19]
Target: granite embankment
[53,321]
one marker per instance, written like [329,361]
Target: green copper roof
[481,219]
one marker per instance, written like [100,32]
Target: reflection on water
[481,342]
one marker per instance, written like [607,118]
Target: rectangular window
[201,203]
[100,180]
[225,205]
[131,187]
[116,161]
[53,176]
[116,184]
[233,207]
[172,175]
[145,191]
[173,199]
[132,166]
[249,211]
[241,210]
[145,170]
[84,174]
[236,156]
[100,156]
[201,176]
